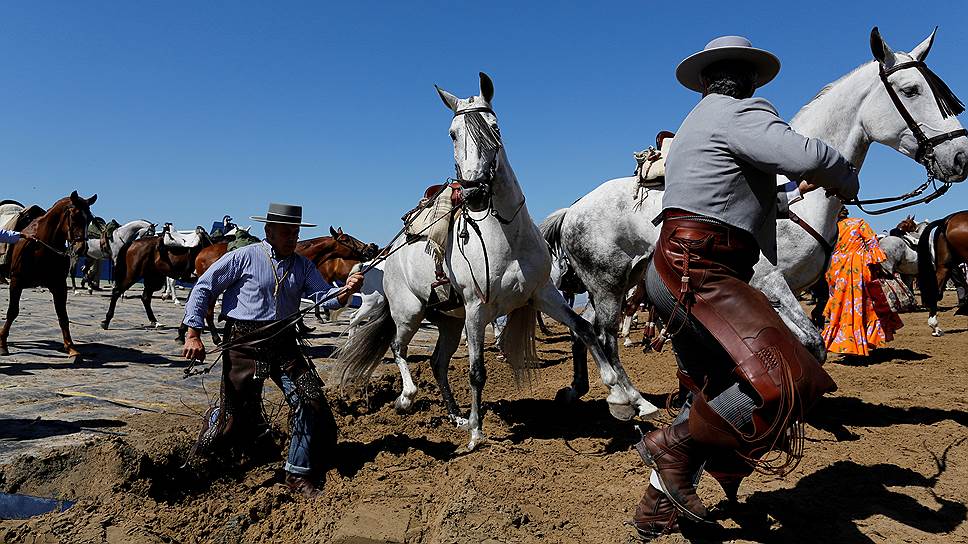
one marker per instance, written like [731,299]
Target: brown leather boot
[655,515]
[302,485]
[674,456]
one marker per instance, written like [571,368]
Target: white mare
[609,240]
[902,253]
[121,237]
[512,278]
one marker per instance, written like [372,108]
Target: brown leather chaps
[707,266]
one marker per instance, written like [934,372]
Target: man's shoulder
[752,104]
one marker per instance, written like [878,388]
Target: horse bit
[949,104]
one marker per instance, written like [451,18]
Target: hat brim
[264,220]
[767,64]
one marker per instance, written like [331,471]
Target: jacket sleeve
[9,236]
[317,288]
[758,136]
[226,271]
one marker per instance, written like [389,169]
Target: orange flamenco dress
[853,327]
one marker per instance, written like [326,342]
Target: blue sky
[183,111]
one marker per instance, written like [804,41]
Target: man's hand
[194,349]
[354,283]
[805,187]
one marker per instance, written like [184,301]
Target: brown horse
[950,250]
[334,256]
[152,261]
[42,261]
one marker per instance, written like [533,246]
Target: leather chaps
[707,266]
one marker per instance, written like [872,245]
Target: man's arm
[9,236]
[758,136]
[226,271]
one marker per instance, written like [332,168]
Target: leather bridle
[948,104]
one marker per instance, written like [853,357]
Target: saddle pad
[177,239]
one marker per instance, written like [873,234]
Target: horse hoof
[567,394]
[104,325]
[402,404]
[475,441]
[459,422]
[4,352]
[937,334]
[622,412]
[628,343]
[647,410]
[73,353]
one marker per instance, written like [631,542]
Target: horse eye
[911,91]
[453,135]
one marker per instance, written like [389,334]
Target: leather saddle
[650,162]
[456,197]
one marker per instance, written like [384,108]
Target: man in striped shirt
[260,285]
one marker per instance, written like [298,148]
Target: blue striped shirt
[245,280]
[9,236]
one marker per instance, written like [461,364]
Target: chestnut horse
[334,256]
[950,243]
[152,261]
[42,261]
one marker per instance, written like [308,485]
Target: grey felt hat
[731,48]
[285,214]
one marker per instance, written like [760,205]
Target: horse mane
[829,87]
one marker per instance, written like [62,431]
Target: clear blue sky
[183,111]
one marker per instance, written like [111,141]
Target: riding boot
[725,464]
[676,458]
[655,515]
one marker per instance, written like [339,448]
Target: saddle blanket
[430,219]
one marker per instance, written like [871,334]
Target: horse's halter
[359,249]
[948,104]
[487,140]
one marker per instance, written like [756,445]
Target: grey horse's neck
[507,198]
[833,117]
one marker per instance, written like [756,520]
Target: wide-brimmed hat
[284,214]
[727,48]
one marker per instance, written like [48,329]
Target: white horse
[500,267]
[608,236]
[121,237]
[902,253]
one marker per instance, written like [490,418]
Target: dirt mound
[887,461]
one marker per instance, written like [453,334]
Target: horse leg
[174,293]
[60,307]
[120,287]
[579,360]
[151,285]
[777,290]
[941,274]
[448,340]
[474,329]
[626,331]
[624,400]
[13,310]
[542,326]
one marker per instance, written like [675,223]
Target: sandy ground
[887,455]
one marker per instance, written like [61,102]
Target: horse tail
[363,351]
[551,229]
[517,343]
[927,280]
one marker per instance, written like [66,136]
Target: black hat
[284,214]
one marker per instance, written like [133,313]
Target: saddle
[431,220]
[17,223]
[173,238]
[650,162]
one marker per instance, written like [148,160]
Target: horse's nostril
[961,162]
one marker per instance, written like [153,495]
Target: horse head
[477,142]
[907,225]
[358,250]
[912,110]
[74,221]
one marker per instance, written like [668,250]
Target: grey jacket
[724,161]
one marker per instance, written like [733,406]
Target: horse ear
[921,51]
[333,232]
[339,229]
[92,200]
[449,100]
[77,200]
[882,52]
[487,87]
